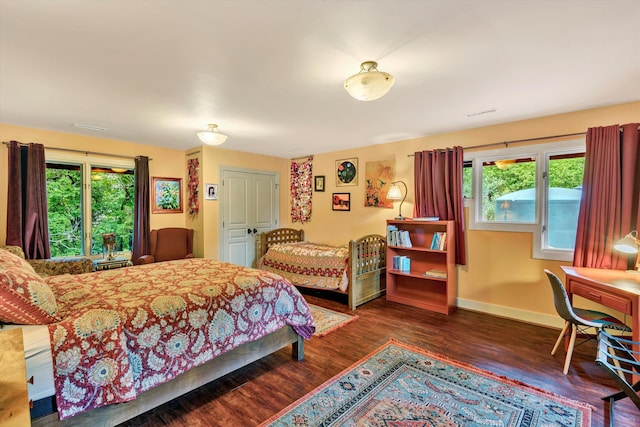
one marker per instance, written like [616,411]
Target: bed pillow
[25,299]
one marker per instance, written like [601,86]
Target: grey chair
[577,319]
[617,358]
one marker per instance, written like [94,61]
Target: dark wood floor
[518,350]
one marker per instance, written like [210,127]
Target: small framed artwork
[166,195]
[318,183]
[341,202]
[211,191]
[347,172]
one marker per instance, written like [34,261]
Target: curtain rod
[515,141]
[86,153]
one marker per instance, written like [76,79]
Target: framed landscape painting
[166,195]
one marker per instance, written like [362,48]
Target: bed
[125,341]
[356,269]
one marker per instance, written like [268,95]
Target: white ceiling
[270,73]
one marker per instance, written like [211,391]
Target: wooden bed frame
[243,355]
[365,270]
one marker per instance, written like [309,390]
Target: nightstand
[14,399]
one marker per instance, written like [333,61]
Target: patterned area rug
[328,321]
[401,385]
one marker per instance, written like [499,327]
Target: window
[86,198]
[534,189]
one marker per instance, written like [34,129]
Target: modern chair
[616,357]
[577,319]
[166,244]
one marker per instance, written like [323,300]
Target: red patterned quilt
[125,331]
[309,264]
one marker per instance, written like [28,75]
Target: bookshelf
[428,279]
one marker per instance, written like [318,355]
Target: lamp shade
[212,136]
[394,193]
[628,244]
[369,84]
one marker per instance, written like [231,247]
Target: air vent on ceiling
[90,127]
[480,113]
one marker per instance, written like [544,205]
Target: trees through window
[87,199]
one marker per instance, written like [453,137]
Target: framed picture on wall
[341,202]
[318,183]
[347,172]
[166,195]
[211,191]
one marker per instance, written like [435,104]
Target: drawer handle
[596,296]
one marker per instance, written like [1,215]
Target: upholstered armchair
[166,244]
[55,266]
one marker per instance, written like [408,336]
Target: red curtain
[610,204]
[141,229]
[438,190]
[27,224]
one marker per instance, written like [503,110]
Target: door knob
[249,230]
[255,231]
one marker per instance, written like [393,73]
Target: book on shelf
[397,237]
[401,263]
[439,241]
[391,230]
[439,274]
[427,218]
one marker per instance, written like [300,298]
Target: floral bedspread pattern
[309,264]
[125,331]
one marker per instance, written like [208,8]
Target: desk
[616,289]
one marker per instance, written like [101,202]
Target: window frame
[542,153]
[86,162]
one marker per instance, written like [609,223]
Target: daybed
[356,269]
[127,340]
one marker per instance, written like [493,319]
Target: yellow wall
[501,276]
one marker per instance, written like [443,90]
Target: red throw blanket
[125,331]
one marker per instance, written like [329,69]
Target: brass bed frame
[366,268]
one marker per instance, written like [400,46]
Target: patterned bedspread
[309,264]
[125,331]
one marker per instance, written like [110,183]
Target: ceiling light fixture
[212,136]
[369,84]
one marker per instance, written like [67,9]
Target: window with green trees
[529,189]
[85,201]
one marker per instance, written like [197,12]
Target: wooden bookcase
[413,287]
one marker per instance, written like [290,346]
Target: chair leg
[572,342]
[560,338]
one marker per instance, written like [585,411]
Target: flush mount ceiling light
[369,84]
[212,136]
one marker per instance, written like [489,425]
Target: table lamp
[395,193]
[629,245]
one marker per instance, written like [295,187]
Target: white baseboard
[552,321]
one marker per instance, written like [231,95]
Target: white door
[250,202]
